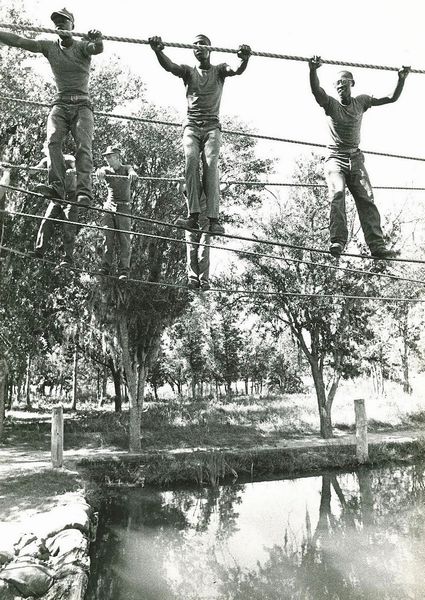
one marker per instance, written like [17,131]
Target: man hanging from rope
[59,210]
[72,110]
[345,162]
[202,129]
[118,201]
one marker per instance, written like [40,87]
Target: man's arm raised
[244,52]
[94,42]
[17,41]
[402,74]
[157,46]
[318,92]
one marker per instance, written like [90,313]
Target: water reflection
[352,536]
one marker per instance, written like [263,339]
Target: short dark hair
[204,37]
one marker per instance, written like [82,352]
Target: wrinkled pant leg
[46,229]
[192,151]
[82,131]
[69,231]
[124,240]
[192,255]
[370,220]
[58,126]
[211,177]
[335,179]
[108,223]
[204,259]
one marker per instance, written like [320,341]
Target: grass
[242,422]
[248,423]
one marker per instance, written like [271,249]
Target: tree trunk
[116,377]
[103,384]
[75,379]
[28,383]
[3,393]
[133,383]
[193,387]
[246,386]
[407,388]
[323,406]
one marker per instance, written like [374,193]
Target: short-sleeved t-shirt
[345,121]
[70,66]
[203,92]
[118,187]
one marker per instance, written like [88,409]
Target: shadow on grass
[35,491]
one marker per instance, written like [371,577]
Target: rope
[129,40]
[224,290]
[216,247]
[226,235]
[227,131]
[245,182]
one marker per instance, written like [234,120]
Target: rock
[25,540]
[10,533]
[6,592]
[73,516]
[68,547]
[71,587]
[28,577]
[5,557]
[35,549]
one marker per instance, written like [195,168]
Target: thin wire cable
[130,40]
[226,235]
[225,290]
[245,182]
[227,131]
[216,247]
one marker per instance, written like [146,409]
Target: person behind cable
[72,110]
[197,255]
[344,165]
[118,179]
[59,210]
[201,128]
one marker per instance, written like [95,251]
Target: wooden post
[57,436]
[75,379]
[362,449]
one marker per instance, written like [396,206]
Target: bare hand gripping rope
[129,40]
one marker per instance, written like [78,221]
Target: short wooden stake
[362,448]
[57,436]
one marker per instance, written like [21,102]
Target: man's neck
[346,101]
[204,65]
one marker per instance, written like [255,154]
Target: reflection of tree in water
[372,550]
[365,544]
[137,528]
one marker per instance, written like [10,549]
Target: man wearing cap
[72,110]
[202,129]
[59,210]
[118,179]
[345,162]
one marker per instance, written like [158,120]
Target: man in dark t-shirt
[72,110]
[118,179]
[201,128]
[345,162]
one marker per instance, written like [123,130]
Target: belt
[72,97]
[348,151]
[202,123]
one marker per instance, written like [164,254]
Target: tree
[331,331]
